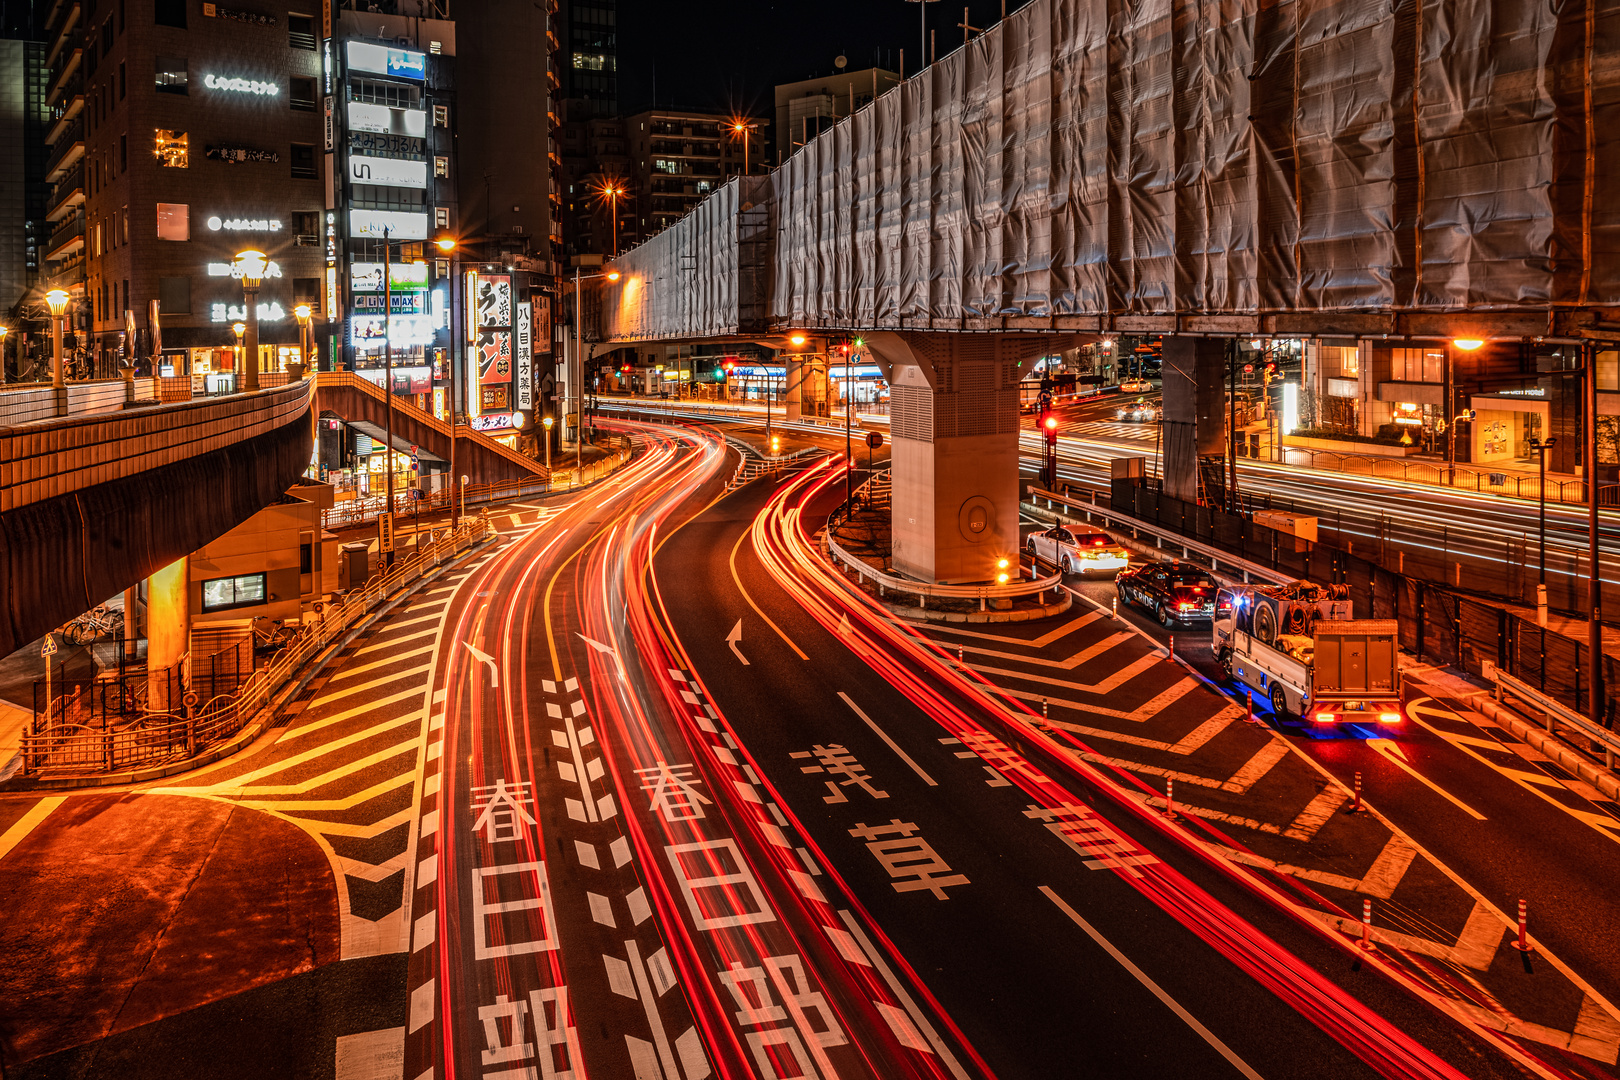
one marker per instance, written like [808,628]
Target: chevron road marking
[393,641]
[1142,712]
[1187,744]
[1104,686]
[293,735]
[1033,643]
[28,822]
[342,693]
[1239,782]
[1090,652]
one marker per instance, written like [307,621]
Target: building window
[174,295]
[107,36]
[169,13]
[1417,365]
[123,153]
[172,75]
[301,31]
[172,149]
[441,268]
[173,221]
[441,167]
[301,94]
[123,80]
[307,228]
[589,62]
[377,92]
[441,116]
[435,48]
[441,217]
[303,161]
[666,165]
[221,594]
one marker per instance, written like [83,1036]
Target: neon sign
[241,86]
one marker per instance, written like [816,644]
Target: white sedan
[1078,553]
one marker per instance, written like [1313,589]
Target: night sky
[729,54]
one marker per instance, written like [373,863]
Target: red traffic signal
[1051,424]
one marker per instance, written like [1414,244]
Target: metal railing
[1553,712]
[1237,568]
[1459,476]
[167,737]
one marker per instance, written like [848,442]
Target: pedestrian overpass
[1212,173]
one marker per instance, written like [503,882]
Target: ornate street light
[251,263]
[57,300]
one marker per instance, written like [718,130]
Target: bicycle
[100,621]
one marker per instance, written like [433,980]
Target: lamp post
[57,301]
[239,329]
[922,48]
[252,265]
[4,330]
[579,365]
[612,192]
[547,422]
[743,130]
[302,313]
[1541,446]
[448,245]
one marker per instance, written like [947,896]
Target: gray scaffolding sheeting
[1097,157]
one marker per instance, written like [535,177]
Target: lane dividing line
[929,780]
[1142,977]
[27,823]
[899,991]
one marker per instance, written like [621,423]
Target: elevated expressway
[1082,170]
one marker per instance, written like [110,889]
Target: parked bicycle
[271,634]
[99,622]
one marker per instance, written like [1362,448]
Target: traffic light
[1049,429]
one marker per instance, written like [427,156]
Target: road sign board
[49,648]
[874,439]
[385,532]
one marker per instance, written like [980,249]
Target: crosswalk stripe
[347,692]
[311,807]
[337,773]
[425,616]
[385,661]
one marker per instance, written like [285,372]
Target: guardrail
[1238,568]
[1553,712]
[159,737]
[923,590]
[1459,477]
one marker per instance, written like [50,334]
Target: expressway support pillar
[168,634]
[793,376]
[1195,419]
[954,432]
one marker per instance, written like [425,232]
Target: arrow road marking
[601,648]
[1392,751]
[494,671]
[734,637]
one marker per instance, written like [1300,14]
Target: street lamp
[547,422]
[252,265]
[611,191]
[742,129]
[450,247]
[579,365]
[57,301]
[302,313]
[1541,446]
[239,329]
[4,330]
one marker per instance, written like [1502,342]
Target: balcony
[66,111]
[63,34]
[67,152]
[66,239]
[68,195]
[66,67]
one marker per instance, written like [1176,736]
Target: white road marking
[1142,977]
[349,672]
[929,780]
[899,991]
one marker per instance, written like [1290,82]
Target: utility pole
[1594,581]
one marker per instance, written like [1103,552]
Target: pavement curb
[256,727]
[918,614]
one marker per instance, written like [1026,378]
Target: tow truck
[1299,647]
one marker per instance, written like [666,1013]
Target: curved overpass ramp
[89,505]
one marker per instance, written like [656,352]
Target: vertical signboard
[492,347]
[542,324]
[153,310]
[524,348]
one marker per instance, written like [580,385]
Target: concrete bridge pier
[168,633]
[954,427]
[793,376]
[1194,377]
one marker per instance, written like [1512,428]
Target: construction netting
[1089,157]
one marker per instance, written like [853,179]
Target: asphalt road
[1032,990]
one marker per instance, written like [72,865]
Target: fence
[101,702]
[1437,623]
[1463,477]
[70,747]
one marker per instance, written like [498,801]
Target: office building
[678,157]
[201,127]
[23,120]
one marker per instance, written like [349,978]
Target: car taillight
[1184,606]
[1324,718]
[1389,718]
